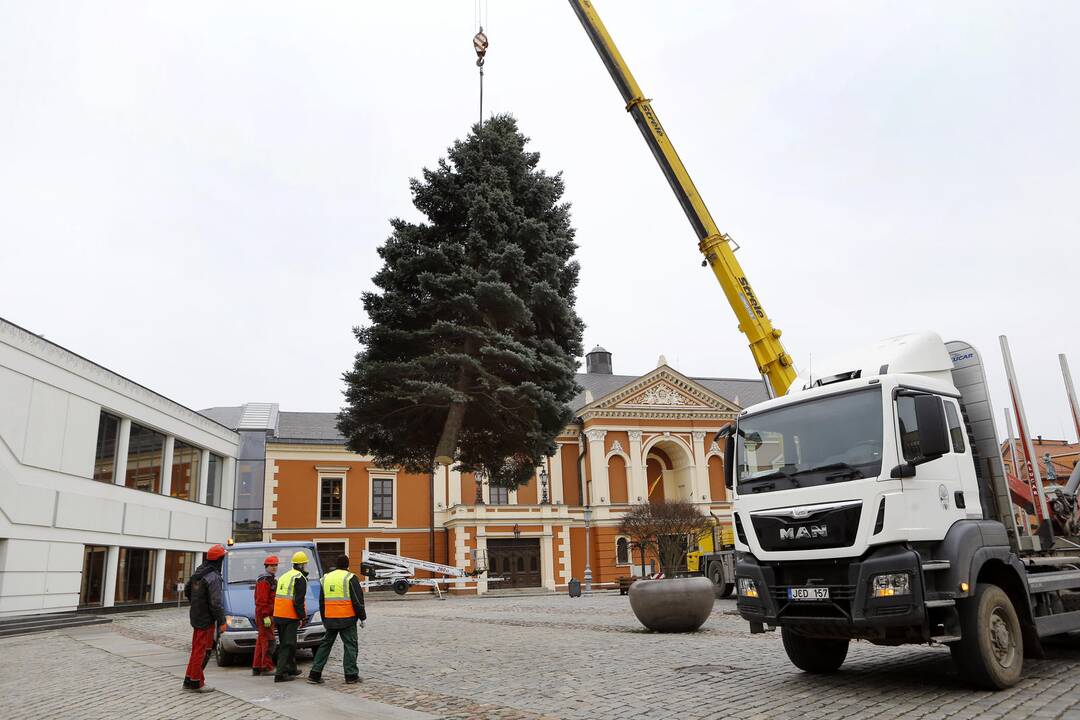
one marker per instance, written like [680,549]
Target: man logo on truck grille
[803,532]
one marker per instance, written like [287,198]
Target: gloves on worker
[222,628]
[266,621]
[361,623]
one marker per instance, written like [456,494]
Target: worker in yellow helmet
[290,614]
[341,604]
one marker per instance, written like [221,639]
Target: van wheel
[814,655]
[222,658]
[990,653]
[716,574]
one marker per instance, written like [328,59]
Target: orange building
[635,438]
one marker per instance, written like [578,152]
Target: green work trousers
[348,637]
[285,660]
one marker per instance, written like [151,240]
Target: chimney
[598,361]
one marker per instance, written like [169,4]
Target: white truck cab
[870,503]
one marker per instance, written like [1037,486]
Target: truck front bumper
[243,641]
[850,611]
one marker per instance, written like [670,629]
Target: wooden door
[516,561]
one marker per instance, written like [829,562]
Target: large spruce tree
[473,339]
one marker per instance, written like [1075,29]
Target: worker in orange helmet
[265,589]
[207,614]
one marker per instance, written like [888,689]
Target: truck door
[929,496]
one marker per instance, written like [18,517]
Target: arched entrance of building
[669,470]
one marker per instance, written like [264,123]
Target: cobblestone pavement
[524,658]
[51,675]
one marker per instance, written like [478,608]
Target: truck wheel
[814,655]
[716,574]
[990,653]
[401,586]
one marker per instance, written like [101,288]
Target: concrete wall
[50,505]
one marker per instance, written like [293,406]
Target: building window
[179,566]
[498,495]
[185,471]
[956,430]
[382,499]
[91,594]
[329,553]
[134,576]
[108,440]
[213,480]
[331,499]
[146,448]
[622,551]
[387,547]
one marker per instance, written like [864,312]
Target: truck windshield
[245,565]
[830,439]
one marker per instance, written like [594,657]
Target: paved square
[517,657]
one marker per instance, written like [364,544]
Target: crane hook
[480,45]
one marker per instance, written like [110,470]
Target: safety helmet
[270,560]
[216,552]
[299,557]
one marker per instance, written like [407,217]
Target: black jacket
[204,592]
[356,594]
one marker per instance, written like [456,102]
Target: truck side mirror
[933,432]
[729,461]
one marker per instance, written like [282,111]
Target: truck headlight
[238,622]
[890,584]
[747,588]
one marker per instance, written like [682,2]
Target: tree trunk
[455,417]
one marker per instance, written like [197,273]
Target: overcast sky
[191,193]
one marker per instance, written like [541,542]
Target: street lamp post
[588,570]
[543,486]
[479,475]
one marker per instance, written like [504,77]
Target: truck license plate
[808,593]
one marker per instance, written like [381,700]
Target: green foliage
[475,311]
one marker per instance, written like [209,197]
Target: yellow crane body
[774,364]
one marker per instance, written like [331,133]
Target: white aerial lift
[398,571]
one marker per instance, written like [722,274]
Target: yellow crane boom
[774,364]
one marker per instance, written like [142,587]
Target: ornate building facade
[635,439]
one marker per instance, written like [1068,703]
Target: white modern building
[109,492]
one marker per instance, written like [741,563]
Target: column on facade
[122,445]
[702,489]
[599,495]
[555,478]
[228,484]
[547,559]
[204,474]
[159,576]
[639,490]
[455,487]
[166,465]
[481,548]
[112,564]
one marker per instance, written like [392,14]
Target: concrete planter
[672,604]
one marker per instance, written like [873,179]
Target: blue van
[242,565]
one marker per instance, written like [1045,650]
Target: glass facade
[134,576]
[108,440]
[92,592]
[184,480]
[179,566]
[146,450]
[250,474]
[213,480]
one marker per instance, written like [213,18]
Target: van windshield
[245,565]
[824,440]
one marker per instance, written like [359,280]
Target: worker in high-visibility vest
[290,614]
[341,604]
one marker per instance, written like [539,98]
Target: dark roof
[320,428]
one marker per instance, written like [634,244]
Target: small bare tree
[640,528]
[673,528]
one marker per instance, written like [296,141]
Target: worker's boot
[352,679]
[315,677]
